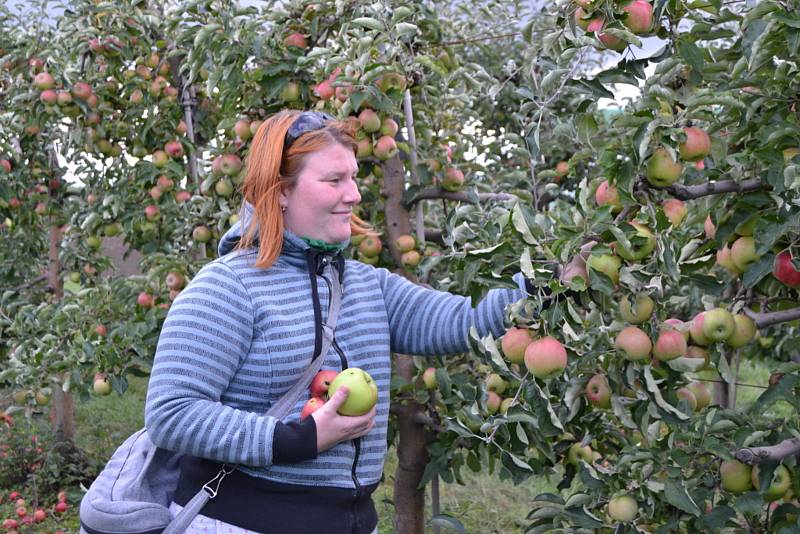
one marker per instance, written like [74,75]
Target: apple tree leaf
[678,497]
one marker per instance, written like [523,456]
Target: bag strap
[278,410]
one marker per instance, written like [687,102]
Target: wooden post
[412,454]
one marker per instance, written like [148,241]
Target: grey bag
[133,492]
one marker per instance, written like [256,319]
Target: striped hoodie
[237,338]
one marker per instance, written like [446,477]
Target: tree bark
[773,453]
[764,320]
[434,193]
[689,192]
[412,454]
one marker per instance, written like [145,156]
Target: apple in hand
[363,392]
[312,405]
[321,382]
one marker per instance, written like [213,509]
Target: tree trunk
[412,455]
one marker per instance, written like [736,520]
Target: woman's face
[321,202]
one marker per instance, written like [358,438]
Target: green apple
[743,252]
[634,343]
[718,324]
[576,453]
[735,476]
[608,264]
[429,378]
[662,169]
[623,508]
[781,480]
[495,382]
[744,331]
[638,312]
[642,244]
[598,392]
[493,402]
[687,395]
[363,393]
[701,394]
[514,343]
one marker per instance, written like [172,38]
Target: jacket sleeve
[424,321]
[205,337]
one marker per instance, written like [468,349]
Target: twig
[760,455]
[737,383]
[689,192]
[434,193]
[27,285]
[764,320]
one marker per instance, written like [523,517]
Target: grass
[484,504]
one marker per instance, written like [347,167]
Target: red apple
[640,16]
[61,507]
[48,97]
[174,149]
[607,195]
[312,405]
[545,357]
[634,343]
[151,212]
[370,121]
[696,146]
[385,147]
[453,179]
[44,81]
[784,271]
[82,90]
[296,39]
[175,280]
[325,90]
[321,382]
[5,164]
[598,392]
[669,345]
[514,343]
[101,330]
[145,300]
[675,210]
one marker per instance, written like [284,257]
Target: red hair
[269,170]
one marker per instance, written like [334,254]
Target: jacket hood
[292,244]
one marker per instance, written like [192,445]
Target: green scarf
[322,245]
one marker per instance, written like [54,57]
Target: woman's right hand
[333,428]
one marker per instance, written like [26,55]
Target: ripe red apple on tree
[639,17]
[607,195]
[701,394]
[582,18]
[709,228]
[725,261]
[562,168]
[545,357]
[296,39]
[61,506]
[389,127]
[696,330]
[175,280]
[151,212]
[634,342]
[675,210]
[385,147]
[697,144]
[82,91]
[242,129]
[784,271]
[370,246]
[493,402]
[662,169]
[174,149]
[370,121]
[405,243]
[321,382]
[606,39]
[325,90]
[363,392]
[686,395]
[598,392]
[101,330]
[145,300]
[410,259]
[453,179]
[48,97]
[514,343]
[669,345]
[5,164]
[44,81]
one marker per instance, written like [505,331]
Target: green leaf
[758,270]
[678,497]
[718,517]
[369,23]
[581,517]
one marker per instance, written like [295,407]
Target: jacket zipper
[356,442]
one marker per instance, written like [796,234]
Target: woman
[245,328]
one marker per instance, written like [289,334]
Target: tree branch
[435,193]
[689,192]
[764,320]
[773,453]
